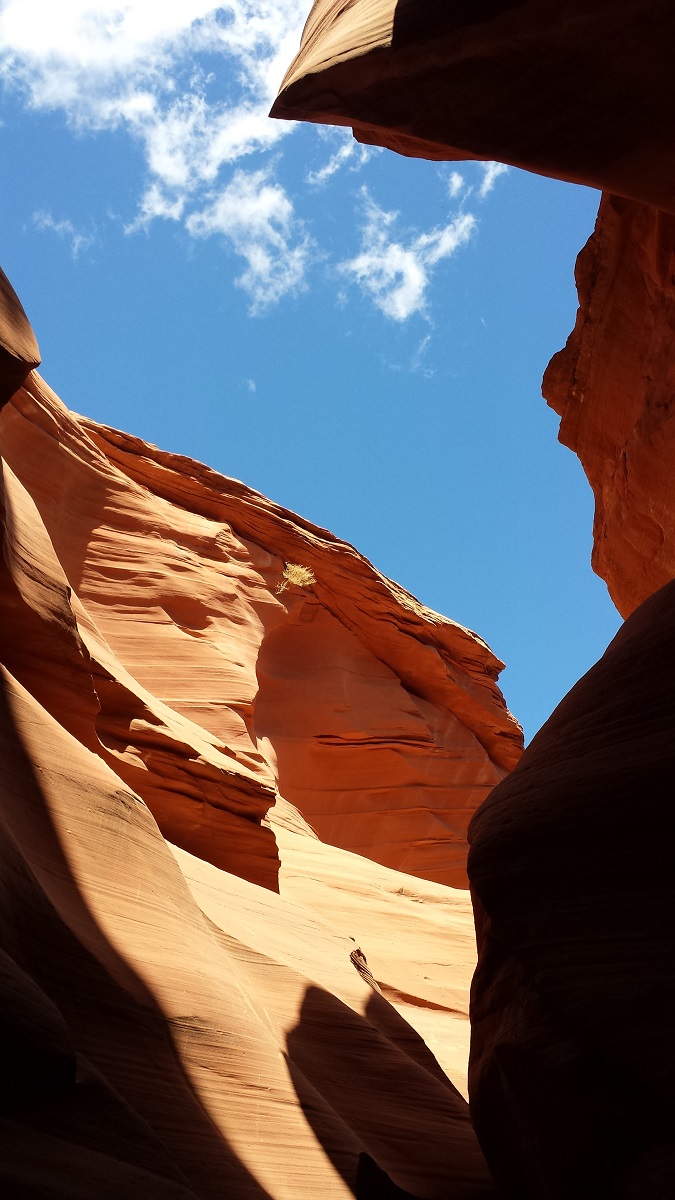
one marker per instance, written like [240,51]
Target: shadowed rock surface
[573,1045]
[582,90]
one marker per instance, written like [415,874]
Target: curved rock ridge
[614,384]
[249,1011]
[573,1057]
[582,91]
[210,683]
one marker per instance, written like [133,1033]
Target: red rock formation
[613,385]
[582,91]
[573,1057]
[207,687]
[250,1010]
[171,1030]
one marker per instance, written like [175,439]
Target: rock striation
[238,770]
[208,682]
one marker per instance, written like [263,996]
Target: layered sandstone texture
[614,388]
[582,91]
[235,944]
[573,1047]
[209,682]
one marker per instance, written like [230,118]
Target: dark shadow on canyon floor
[95,1100]
[367,1083]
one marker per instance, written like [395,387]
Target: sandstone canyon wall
[236,943]
[572,1067]
[613,385]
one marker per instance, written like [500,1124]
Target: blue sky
[359,336]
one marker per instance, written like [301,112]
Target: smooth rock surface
[572,1076]
[582,91]
[175,1031]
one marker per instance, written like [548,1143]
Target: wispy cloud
[491,172]
[134,64]
[191,81]
[64,229]
[256,216]
[348,152]
[396,274]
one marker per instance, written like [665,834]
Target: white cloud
[349,151]
[491,172]
[417,361]
[256,216]
[64,229]
[133,64]
[142,66]
[337,160]
[397,276]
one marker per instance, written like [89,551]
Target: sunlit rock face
[573,1055]
[208,681]
[238,769]
[582,91]
[614,387]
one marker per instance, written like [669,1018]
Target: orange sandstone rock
[613,385]
[172,1030]
[582,91]
[249,1010]
[208,688]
